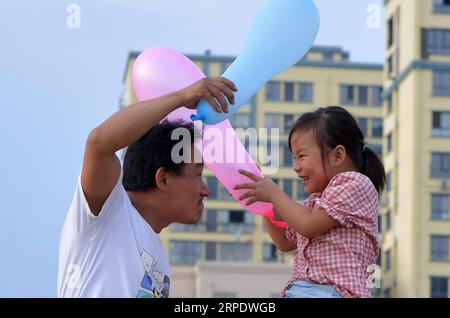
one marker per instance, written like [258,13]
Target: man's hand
[213,90]
[262,189]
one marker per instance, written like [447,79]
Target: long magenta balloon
[159,71]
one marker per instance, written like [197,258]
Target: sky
[57,83]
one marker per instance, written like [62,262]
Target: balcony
[229,227]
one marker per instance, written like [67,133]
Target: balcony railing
[229,227]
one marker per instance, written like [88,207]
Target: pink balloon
[159,71]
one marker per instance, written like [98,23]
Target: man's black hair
[152,151]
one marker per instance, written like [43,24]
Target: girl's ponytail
[373,169]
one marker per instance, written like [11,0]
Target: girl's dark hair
[335,126]
[152,151]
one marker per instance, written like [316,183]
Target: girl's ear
[339,155]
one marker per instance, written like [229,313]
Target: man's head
[150,170]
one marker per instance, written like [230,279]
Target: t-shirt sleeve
[349,201]
[80,217]
[290,234]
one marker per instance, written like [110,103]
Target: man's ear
[161,178]
[339,155]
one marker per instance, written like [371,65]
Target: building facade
[415,208]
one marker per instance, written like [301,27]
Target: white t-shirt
[116,254]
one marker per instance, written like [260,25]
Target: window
[347,94]
[234,221]
[378,261]
[237,252]
[389,142]
[441,83]
[269,252]
[288,123]
[439,287]
[440,165]
[441,124]
[389,181]
[197,227]
[211,251]
[377,148]
[212,185]
[287,187]
[389,105]
[363,125]
[377,93]
[301,194]
[387,221]
[236,216]
[289,92]
[223,67]
[272,120]
[435,41]
[363,95]
[222,193]
[390,65]
[273,91]
[440,206]
[287,156]
[240,121]
[184,252]
[390,29]
[439,248]
[387,260]
[377,127]
[328,56]
[211,220]
[269,151]
[305,93]
[380,224]
[442,6]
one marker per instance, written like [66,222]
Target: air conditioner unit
[445,185]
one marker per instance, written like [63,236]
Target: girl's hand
[262,189]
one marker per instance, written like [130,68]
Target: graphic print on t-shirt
[155,283]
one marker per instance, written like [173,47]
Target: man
[110,245]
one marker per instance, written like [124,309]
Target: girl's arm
[279,237]
[300,218]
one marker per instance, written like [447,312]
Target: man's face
[188,191]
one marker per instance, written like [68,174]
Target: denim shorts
[304,289]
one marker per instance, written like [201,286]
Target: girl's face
[308,162]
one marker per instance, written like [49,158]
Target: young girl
[335,229]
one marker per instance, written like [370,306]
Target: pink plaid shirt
[341,257]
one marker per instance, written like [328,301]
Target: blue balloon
[281,34]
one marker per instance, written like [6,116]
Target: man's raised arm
[101,167]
